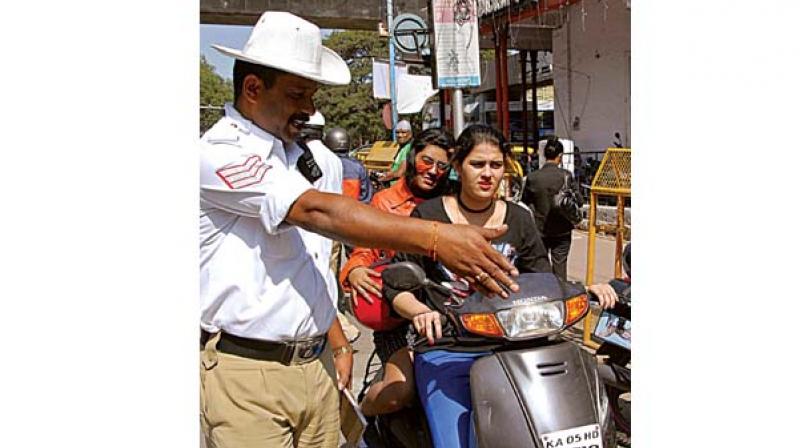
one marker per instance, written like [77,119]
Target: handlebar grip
[622,296]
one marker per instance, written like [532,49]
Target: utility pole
[458,112]
[392,81]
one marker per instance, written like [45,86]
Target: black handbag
[566,201]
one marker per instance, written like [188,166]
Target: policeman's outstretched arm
[463,249]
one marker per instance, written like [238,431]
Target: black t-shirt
[521,244]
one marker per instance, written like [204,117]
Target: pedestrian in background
[540,190]
[404,138]
[355,180]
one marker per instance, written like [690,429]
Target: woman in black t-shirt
[441,366]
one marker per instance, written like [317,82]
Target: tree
[214,92]
[352,106]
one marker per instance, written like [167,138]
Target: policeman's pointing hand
[466,251]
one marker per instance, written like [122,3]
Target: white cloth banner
[412,93]
[380,78]
[412,90]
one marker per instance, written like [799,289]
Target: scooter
[537,389]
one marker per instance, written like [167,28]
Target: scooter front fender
[519,395]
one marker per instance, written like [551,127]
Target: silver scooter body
[535,391]
[535,397]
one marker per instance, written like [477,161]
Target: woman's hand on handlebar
[605,294]
[429,324]
[361,281]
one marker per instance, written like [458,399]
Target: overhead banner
[455,53]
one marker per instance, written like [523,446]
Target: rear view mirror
[404,276]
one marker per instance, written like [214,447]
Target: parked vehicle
[537,389]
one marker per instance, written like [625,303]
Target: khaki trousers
[250,403]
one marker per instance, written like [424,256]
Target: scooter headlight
[532,320]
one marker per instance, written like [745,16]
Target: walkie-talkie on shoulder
[307,165]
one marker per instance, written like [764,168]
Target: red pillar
[498,91]
[523,62]
[534,82]
[503,57]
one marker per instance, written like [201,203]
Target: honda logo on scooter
[529,300]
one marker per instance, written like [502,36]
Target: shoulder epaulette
[224,132]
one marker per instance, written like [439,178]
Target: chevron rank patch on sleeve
[242,175]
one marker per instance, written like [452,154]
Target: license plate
[588,436]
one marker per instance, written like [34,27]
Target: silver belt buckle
[307,351]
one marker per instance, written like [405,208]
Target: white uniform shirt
[260,277]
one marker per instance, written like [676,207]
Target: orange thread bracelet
[435,240]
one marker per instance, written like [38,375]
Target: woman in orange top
[426,177]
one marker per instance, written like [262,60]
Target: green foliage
[214,91]
[487,55]
[352,106]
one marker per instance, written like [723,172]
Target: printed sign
[455,54]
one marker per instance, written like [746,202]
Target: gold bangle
[342,350]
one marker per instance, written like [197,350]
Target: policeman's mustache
[301,118]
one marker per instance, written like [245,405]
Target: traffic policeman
[266,310]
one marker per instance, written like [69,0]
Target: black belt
[287,353]
[204,337]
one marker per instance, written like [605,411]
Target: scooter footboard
[519,395]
